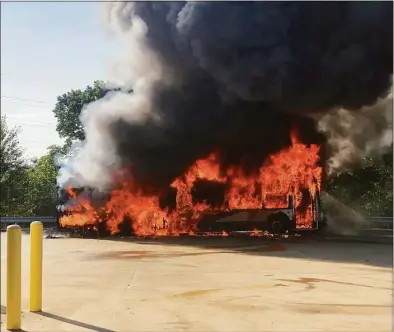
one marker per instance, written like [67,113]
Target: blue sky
[48,49]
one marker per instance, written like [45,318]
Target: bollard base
[14,278]
[36,242]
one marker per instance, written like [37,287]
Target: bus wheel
[278,223]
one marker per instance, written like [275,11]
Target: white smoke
[92,163]
[137,61]
[354,135]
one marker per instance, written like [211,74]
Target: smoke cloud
[231,77]
[355,135]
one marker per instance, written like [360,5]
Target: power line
[32,78]
[34,148]
[47,79]
[14,76]
[25,99]
[24,104]
[37,143]
[18,76]
[34,125]
[24,120]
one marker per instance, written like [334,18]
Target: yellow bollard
[14,270]
[36,233]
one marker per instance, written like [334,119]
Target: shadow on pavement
[74,322]
[373,254]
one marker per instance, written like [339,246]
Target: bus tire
[278,223]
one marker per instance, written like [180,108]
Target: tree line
[28,187]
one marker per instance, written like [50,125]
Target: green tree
[68,109]
[42,183]
[368,189]
[13,172]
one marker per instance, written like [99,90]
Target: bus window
[276,201]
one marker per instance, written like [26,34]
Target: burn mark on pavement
[339,308]
[198,292]
[281,285]
[243,307]
[133,254]
[201,292]
[311,283]
[180,325]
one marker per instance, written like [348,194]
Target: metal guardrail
[18,220]
[25,221]
[372,222]
[367,222]
[378,222]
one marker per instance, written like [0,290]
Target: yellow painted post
[36,233]
[14,276]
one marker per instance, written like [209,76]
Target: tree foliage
[11,153]
[13,171]
[69,107]
[27,189]
[42,175]
[368,189]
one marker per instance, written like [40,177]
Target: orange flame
[293,171]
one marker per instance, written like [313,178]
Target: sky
[48,49]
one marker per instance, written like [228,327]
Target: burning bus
[274,220]
[282,196]
[204,142]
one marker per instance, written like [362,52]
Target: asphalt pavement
[209,284]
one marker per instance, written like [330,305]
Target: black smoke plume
[230,77]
